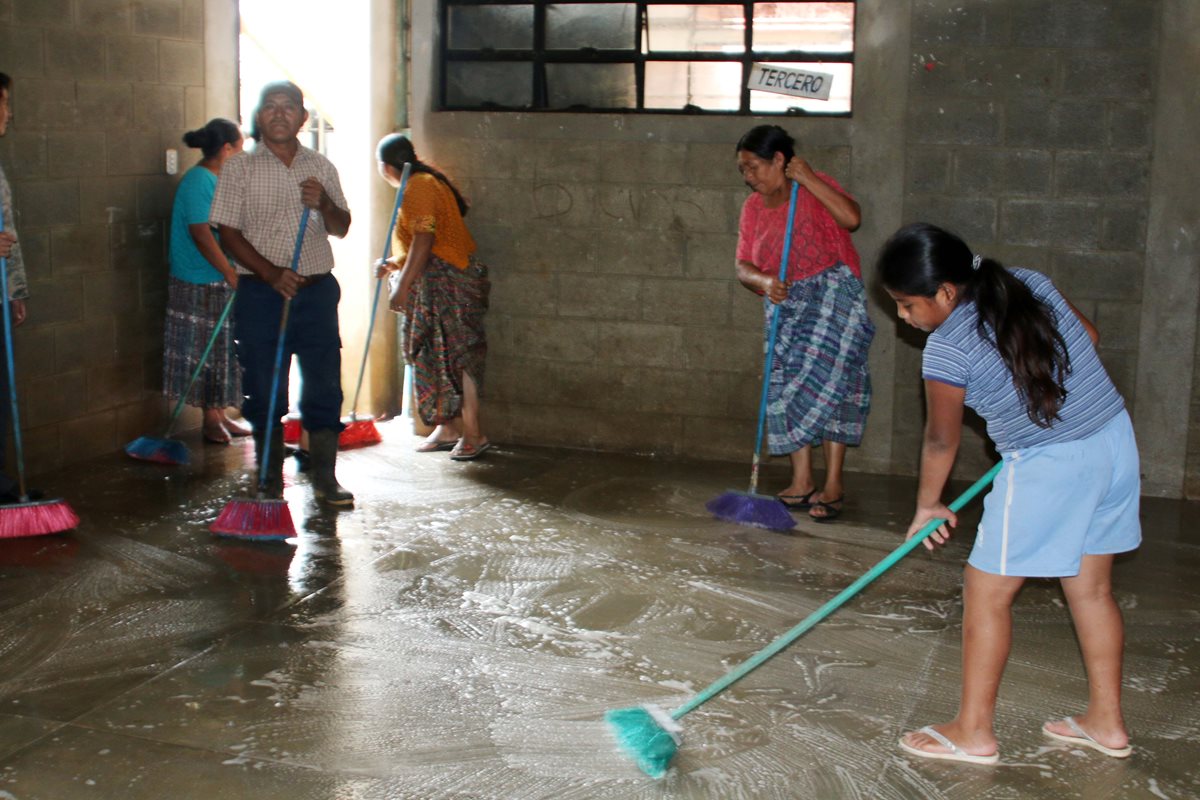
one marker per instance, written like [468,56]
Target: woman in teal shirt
[200,284]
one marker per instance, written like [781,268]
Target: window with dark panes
[649,56]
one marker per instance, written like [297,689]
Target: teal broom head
[648,735]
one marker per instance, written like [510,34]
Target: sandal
[797,502]
[217,436]
[832,509]
[465,452]
[436,446]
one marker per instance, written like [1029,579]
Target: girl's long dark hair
[920,257]
[395,149]
[213,136]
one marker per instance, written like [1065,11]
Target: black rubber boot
[322,450]
[273,489]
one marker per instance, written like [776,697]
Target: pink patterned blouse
[818,242]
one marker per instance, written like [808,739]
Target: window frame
[539,57]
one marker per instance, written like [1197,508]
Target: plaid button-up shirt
[260,196]
[18,289]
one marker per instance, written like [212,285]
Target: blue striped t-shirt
[956,354]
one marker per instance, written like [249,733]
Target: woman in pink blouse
[820,391]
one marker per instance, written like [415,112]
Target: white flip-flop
[953,751]
[1084,739]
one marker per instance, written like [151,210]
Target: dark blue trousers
[312,336]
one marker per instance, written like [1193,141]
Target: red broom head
[36,519]
[255,519]
[291,430]
[359,433]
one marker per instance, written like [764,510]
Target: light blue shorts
[1054,504]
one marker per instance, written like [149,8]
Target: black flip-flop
[803,502]
[831,513]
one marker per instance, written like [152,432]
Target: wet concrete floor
[462,632]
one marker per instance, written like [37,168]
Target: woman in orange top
[442,291]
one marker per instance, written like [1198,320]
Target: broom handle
[387,251]
[824,611]
[212,340]
[19,450]
[283,321]
[762,405]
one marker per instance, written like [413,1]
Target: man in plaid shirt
[257,208]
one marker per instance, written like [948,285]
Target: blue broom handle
[212,340]
[387,251]
[12,378]
[824,611]
[283,321]
[762,405]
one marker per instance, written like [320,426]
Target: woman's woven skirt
[820,389]
[192,313]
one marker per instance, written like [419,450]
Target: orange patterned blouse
[429,207]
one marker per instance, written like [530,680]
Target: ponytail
[919,258]
[213,136]
[395,150]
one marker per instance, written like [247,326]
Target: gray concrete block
[746,311]
[137,246]
[548,247]
[24,155]
[937,22]
[1082,24]
[157,106]
[710,256]
[1051,123]
[1099,276]
[48,202]
[1118,325]
[133,58]
[645,434]
[738,351]
[647,163]
[647,252]
[1130,126]
[632,344]
[45,104]
[181,62]
[79,249]
[1049,222]
[23,52]
[49,13]
[106,105]
[107,200]
[503,159]
[72,154]
[555,339]
[83,344]
[687,301]
[1004,72]
[980,171]
[106,16]
[1123,226]
[927,169]
[154,196]
[133,153]
[54,399]
[607,297]
[569,161]
[710,164]
[109,297]
[974,219]
[33,351]
[691,394]
[952,120]
[1101,175]
[687,209]
[158,18]
[533,293]
[35,247]
[67,298]
[74,55]
[618,205]
[1119,74]
[192,25]
[195,110]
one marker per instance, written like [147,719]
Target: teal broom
[752,508]
[361,431]
[25,517]
[266,518]
[166,450]
[650,735]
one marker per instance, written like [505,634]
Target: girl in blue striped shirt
[1007,344]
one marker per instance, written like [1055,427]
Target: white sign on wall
[789,80]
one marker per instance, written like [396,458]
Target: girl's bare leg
[1101,634]
[802,476]
[833,491]
[471,430]
[987,637]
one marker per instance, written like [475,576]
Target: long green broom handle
[283,321]
[212,340]
[824,611]
[12,378]
[387,251]
[762,405]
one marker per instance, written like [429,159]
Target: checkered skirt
[192,313]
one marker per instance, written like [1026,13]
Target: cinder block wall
[102,89]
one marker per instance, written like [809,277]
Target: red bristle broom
[265,518]
[361,431]
[751,508]
[167,450]
[25,517]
